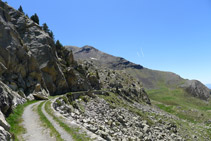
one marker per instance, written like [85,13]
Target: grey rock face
[28,57]
[197,89]
[41,47]
[8,99]
[18,66]
[3,122]
[4,135]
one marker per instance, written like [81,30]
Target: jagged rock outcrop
[28,58]
[3,122]
[8,100]
[197,89]
[41,46]
[4,135]
[19,67]
[116,81]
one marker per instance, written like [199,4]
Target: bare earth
[32,124]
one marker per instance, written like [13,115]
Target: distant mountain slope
[101,58]
[151,79]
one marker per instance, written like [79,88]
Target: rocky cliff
[29,60]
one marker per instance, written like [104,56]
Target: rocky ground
[116,122]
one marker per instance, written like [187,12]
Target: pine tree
[35,18]
[50,33]
[20,9]
[58,45]
[45,28]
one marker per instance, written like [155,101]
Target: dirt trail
[32,124]
[64,135]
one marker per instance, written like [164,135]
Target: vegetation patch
[74,132]
[167,108]
[178,102]
[85,98]
[15,118]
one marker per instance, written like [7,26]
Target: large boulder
[9,99]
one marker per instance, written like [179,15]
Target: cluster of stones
[116,123]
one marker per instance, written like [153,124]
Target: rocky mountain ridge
[151,79]
[101,58]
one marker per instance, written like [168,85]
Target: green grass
[167,108]
[15,118]
[192,110]
[74,132]
[178,102]
[47,123]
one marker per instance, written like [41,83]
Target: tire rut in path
[64,135]
[34,129]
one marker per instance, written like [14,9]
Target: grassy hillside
[194,114]
[152,79]
[179,103]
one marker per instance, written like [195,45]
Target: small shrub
[85,98]
[64,98]
[74,104]
[58,102]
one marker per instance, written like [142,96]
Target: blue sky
[168,35]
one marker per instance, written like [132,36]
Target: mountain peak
[101,58]
[88,49]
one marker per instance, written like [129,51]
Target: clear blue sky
[168,35]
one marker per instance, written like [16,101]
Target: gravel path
[32,124]
[64,135]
